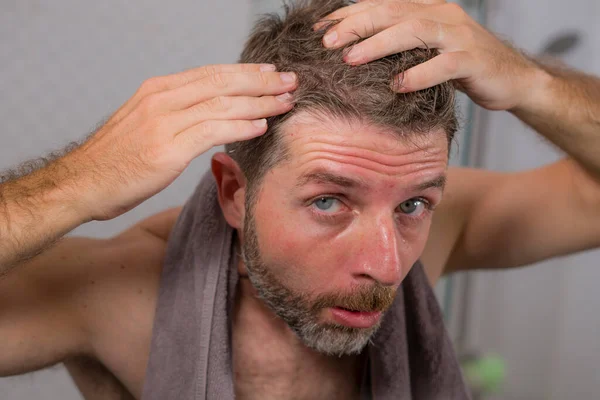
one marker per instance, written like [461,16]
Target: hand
[494,75]
[169,121]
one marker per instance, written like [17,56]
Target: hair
[329,87]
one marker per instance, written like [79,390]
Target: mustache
[366,298]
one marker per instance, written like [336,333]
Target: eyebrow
[324,177]
[437,182]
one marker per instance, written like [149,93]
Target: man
[342,204]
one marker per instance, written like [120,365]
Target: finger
[440,69]
[344,12]
[362,5]
[229,108]
[223,84]
[179,79]
[413,1]
[407,35]
[173,81]
[199,138]
[370,22]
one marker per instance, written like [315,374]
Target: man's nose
[378,257]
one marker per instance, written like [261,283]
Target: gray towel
[410,357]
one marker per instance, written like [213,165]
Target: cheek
[302,259]
[413,241]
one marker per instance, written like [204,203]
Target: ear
[231,188]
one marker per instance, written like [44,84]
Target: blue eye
[327,204]
[412,207]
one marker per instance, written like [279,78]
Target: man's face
[336,227]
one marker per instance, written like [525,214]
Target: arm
[34,212]
[41,307]
[64,304]
[504,220]
[565,108]
[141,150]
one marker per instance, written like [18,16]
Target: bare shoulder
[120,299]
[158,225]
[91,297]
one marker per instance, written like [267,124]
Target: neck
[270,360]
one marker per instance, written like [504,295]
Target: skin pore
[350,208]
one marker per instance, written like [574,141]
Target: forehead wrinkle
[362,146]
[344,144]
[355,151]
[373,166]
[306,127]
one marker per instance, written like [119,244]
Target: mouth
[355,318]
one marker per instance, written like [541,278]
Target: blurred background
[530,333]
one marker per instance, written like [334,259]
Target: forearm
[35,211]
[565,108]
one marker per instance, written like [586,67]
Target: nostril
[365,277]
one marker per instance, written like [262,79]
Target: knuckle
[450,64]
[263,79]
[215,105]
[440,31]
[394,7]
[205,132]
[418,26]
[221,103]
[152,85]
[218,80]
[209,70]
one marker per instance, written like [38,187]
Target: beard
[301,313]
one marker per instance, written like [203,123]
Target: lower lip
[355,319]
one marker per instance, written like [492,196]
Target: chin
[336,340]
[330,337]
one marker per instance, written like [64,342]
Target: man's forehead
[305,132]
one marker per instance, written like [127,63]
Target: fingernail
[353,55]
[330,39]
[260,123]
[284,98]
[288,77]
[267,67]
